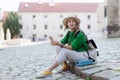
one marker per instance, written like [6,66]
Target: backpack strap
[88,53]
[68,34]
[93,43]
[82,32]
[77,33]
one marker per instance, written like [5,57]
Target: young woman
[70,47]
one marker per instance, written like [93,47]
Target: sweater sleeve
[65,38]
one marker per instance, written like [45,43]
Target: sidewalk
[26,62]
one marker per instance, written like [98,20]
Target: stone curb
[94,72]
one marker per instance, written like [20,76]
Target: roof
[57,7]
[5,14]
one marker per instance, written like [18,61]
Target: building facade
[102,18]
[113,11]
[41,20]
[1,28]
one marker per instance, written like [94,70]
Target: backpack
[91,44]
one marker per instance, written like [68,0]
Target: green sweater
[75,42]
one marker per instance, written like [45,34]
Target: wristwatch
[61,46]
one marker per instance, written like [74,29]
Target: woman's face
[71,23]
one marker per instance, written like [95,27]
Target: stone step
[96,72]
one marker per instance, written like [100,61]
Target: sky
[12,5]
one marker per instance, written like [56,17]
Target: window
[61,16]
[61,26]
[45,36]
[105,11]
[21,26]
[21,36]
[45,27]
[33,37]
[34,26]
[34,16]
[20,17]
[45,16]
[89,27]
[75,15]
[61,35]
[89,17]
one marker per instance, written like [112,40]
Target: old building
[40,20]
[1,28]
[113,10]
[102,18]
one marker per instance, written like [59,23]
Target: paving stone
[116,78]
[25,63]
[106,75]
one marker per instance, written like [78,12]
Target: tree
[12,23]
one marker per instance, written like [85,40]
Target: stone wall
[14,42]
[119,12]
[113,18]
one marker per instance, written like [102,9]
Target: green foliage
[87,78]
[12,23]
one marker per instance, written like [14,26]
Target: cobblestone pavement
[26,62]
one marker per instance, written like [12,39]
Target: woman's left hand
[53,42]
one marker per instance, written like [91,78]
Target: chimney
[51,3]
[40,2]
[26,5]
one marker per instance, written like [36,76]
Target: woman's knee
[63,50]
[61,57]
[58,49]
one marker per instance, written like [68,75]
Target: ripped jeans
[64,54]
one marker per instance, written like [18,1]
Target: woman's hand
[56,43]
[53,42]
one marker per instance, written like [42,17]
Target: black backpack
[90,42]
